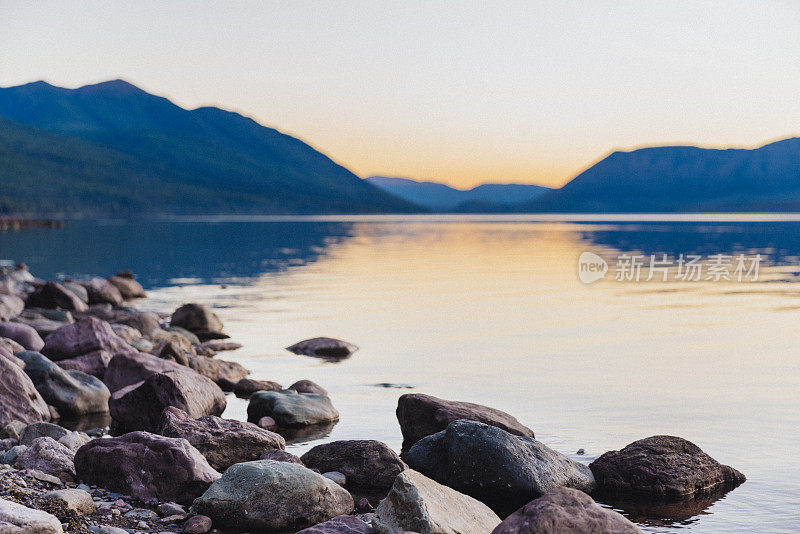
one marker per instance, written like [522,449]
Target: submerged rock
[54,295]
[500,469]
[419,504]
[23,334]
[291,409]
[200,320]
[19,399]
[18,519]
[367,464]
[87,335]
[662,468]
[324,347]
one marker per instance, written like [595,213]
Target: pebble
[198,524]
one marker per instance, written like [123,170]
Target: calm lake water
[490,310]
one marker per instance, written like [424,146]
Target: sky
[459,92]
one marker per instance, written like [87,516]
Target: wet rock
[422,415]
[127,368]
[35,431]
[87,335]
[10,306]
[342,524]
[146,466]
[291,409]
[307,386]
[101,291]
[200,320]
[18,519]
[19,399]
[565,510]
[54,295]
[500,469]
[367,464]
[48,456]
[127,287]
[199,524]
[419,504]
[22,334]
[663,468]
[75,500]
[223,442]
[92,363]
[323,347]
[216,369]
[73,393]
[269,495]
[279,455]
[139,406]
[247,386]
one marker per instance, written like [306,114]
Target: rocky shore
[110,423]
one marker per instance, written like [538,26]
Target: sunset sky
[459,92]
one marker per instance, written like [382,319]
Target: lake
[490,309]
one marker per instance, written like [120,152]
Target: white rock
[18,519]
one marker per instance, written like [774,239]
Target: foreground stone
[662,468]
[223,442]
[146,466]
[341,524]
[50,457]
[272,496]
[139,406]
[500,469]
[19,399]
[367,464]
[18,519]
[291,409]
[419,504]
[565,510]
[422,415]
[323,347]
[199,320]
[23,334]
[86,335]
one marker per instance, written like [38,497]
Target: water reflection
[660,514]
[298,436]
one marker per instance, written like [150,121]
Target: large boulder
[145,466]
[128,287]
[324,347]
[422,415]
[341,524]
[500,469]
[664,468]
[18,519]
[48,456]
[23,334]
[216,369]
[139,406]
[87,335]
[54,295]
[10,306]
[127,368]
[92,363]
[19,399]
[223,442]
[272,496]
[101,291]
[291,409]
[200,320]
[73,393]
[565,510]
[367,464]
[419,504]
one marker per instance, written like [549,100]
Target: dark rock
[247,386]
[86,335]
[198,319]
[50,457]
[367,464]
[223,442]
[500,469]
[126,333]
[324,347]
[128,368]
[198,524]
[54,295]
[342,524]
[171,351]
[563,510]
[662,468]
[10,306]
[146,466]
[226,384]
[216,369]
[127,287]
[41,429]
[291,409]
[126,273]
[279,455]
[22,334]
[139,406]
[19,399]
[307,386]
[101,291]
[92,363]
[422,415]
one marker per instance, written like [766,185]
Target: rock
[74,440]
[10,345]
[73,393]
[220,346]
[13,430]
[500,469]
[171,351]
[92,363]
[44,327]
[76,500]
[565,510]
[146,466]
[291,409]
[336,476]
[19,399]
[422,415]
[323,347]
[12,454]
[10,306]
[367,464]
[247,386]
[169,509]
[111,530]
[126,333]
[139,406]
[18,519]
[226,384]
[267,423]
[269,495]
[101,291]
[216,369]
[54,295]
[418,504]
[307,386]
[163,337]
[665,468]
[35,431]
[341,524]
[200,320]
[86,335]
[190,337]
[50,457]
[127,368]
[22,334]
[147,323]
[281,456]
[141,513]
[127,287]
[199,524]
[7,444]
[223,442]
[77,289]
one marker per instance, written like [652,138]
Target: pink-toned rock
[267,423]
[101,291]
[19,399]
[92,363]
[199,524]
[87,335]
[22,334]
[128,287]
[128,368]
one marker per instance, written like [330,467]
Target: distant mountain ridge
[440,197]
[114,148]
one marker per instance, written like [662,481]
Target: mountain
[114,148]
[683,179]
[441,197]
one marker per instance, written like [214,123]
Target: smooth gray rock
[74,440]
[11,455]
[291,409]
[18,519]
[272,496]
[77,500]
[35,431]
[50,457]
[22,334]
[324,347]
[216,369]
[500,469]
